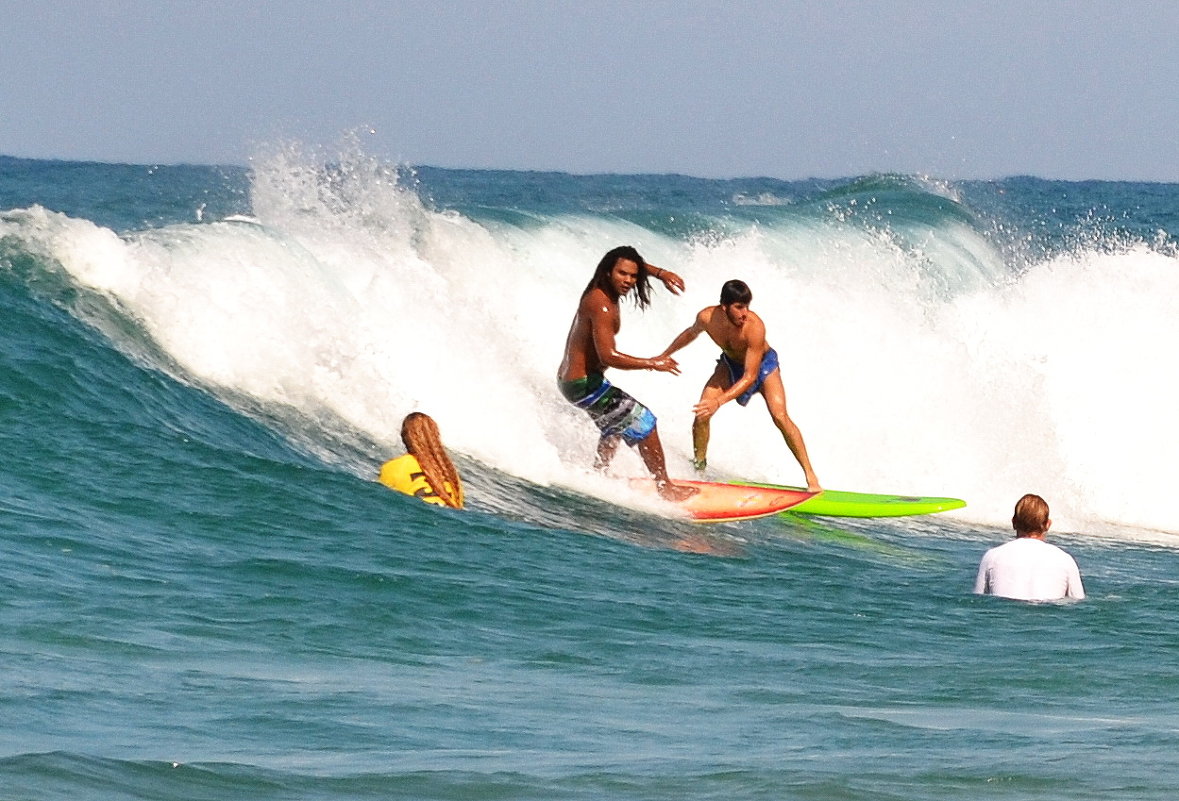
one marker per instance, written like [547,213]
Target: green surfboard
[835,503]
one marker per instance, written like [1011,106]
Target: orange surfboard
[725,503]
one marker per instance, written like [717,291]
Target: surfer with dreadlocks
[591,348]
[426,471]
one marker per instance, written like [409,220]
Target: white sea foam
[909,369]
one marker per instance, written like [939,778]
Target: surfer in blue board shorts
[591,348]
[747,365]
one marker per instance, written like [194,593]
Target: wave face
[205,594]
[976,340]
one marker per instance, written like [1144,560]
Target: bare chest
[727,336]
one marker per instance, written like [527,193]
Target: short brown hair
[1031,515]
[735,291]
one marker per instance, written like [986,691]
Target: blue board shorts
[614,412]
[769,363]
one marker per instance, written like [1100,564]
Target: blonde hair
[1031,515]
[420,434]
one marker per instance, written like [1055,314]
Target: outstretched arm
[602,331]
[674,284]
[756,337]
[685,337]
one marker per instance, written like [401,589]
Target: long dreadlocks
[420,434]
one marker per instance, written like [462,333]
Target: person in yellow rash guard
[426,471]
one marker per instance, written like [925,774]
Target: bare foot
[675,492]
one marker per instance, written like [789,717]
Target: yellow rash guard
[404,474]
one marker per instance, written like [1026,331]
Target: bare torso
[734,340]
[581,351]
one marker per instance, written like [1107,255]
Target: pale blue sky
[787,89]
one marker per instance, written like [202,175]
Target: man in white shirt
[1028,568]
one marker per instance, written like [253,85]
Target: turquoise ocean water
[205,595]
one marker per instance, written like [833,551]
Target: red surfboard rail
[725,503]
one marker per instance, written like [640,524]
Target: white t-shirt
[1029,569]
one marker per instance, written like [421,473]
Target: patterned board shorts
[616,413]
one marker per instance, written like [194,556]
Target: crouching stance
[747,365]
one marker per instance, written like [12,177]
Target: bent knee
[782,420]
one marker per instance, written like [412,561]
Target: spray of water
[912,361]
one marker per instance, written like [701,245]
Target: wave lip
[947,329]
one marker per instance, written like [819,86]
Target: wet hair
[420,434]
[1031,516]
[601,279]
[735,291]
